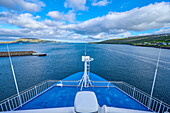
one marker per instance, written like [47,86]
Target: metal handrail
[143,98]
[23,91]
[144,92]
[12,103]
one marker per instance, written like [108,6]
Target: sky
[82,20]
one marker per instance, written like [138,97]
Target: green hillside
[29,40]
[161,40]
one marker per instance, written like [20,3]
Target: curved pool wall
[64,96]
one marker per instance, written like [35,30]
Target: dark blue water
[134,65]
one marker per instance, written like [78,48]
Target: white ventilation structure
[86,102]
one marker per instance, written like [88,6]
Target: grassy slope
[139,39]
[132,40]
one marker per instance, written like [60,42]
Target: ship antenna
[156,70]
[13,72]
[85,80]
[85,49]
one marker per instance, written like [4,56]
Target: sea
[132,64]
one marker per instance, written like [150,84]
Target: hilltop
[29,40]
[158,40]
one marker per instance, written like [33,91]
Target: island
[157,40]
[29,40]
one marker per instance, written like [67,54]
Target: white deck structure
[86,102]
[103,109]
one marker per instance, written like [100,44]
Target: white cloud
[76,4]
[21,5]
[30,27]
[138,19]
[144,34]
[51,23]
[49,33]
[56,15]
[25,20]
[164,30]
[12,32]
[100,3]
[126,34]
[103,35]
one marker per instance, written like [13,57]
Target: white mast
[85,81]
[156,70]
[13,72]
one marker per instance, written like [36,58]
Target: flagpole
[13,72]
[156,70]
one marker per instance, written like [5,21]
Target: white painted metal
[85,80]
[103,109]
[86,102]
[9,104]
[13,72]
[160,107]
[156,70]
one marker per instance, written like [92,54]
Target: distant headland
[28,40]
[157,40]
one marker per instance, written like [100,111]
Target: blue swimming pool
[64,97]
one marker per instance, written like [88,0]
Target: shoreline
[136,45]
[152,46]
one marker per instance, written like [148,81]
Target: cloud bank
[21,5]
[56,15]
[64,26]
[138,19]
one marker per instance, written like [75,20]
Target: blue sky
[82,20]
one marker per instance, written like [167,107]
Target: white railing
[12,103]
[153,104]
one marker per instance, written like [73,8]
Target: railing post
[12,103]
[167,109]
[9,104]
[47,84]
[133,92]
[15,102]
[149,102]
[20,100]
[61,83]
[93,84]
[36,90]
[108,85]
[2,108]
[160,107]
[6,106]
